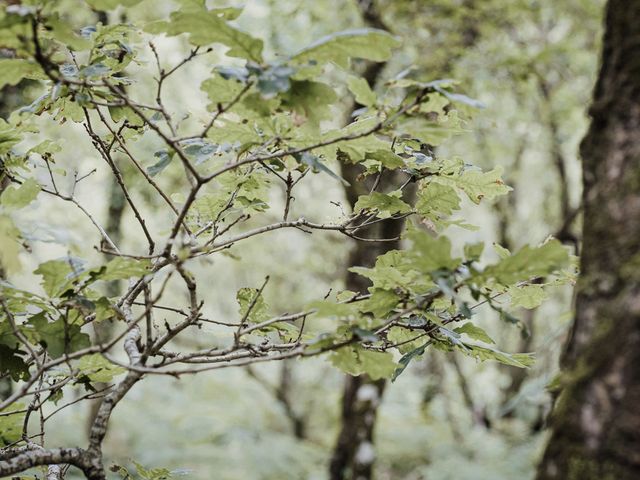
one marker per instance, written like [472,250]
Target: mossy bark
[596,421]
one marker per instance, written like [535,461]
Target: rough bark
[596,422]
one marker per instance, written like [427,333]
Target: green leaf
[478,185]
[125,113]
[451,341]
[61,30]
[435,202]
[474,332]
[386,204]
[9,244]
[369,44]
[520,360]
[207,208]
[392,270]
[58,275]
[141,472]
[46,148]
[340,311]
[59,337]
[437,199]
[251,188]
[311,101]
[11,425]
[527,296]
[210,26]
[9,137]
[435,103]
[121,268]
[430,131]
[380,303]
[11,362]
[13,70]
[501,251]
[20,301]
[18,197]
[406,339]
[355,360]
[244,134]
[164,159]
[252,305]
[104,309]
[408,357]
[430,253]
[354,149]
[387,158]
[316,164]
[274,80]
[98,369]
[473,251]
[362,91]
[527,263]
[220,89]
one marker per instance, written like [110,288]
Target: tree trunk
[596,422]
[354,455]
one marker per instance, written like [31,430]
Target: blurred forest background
[532,65]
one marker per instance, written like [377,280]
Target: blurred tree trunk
[354,454]
[282,392]
[596,422]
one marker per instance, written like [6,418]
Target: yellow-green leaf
[362,91]
[98,368]
[527,296]
[386,204]
[474,332]
[18,197]
[13,70]
[121,268]
[478,185]
[355,360]
[366,43]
